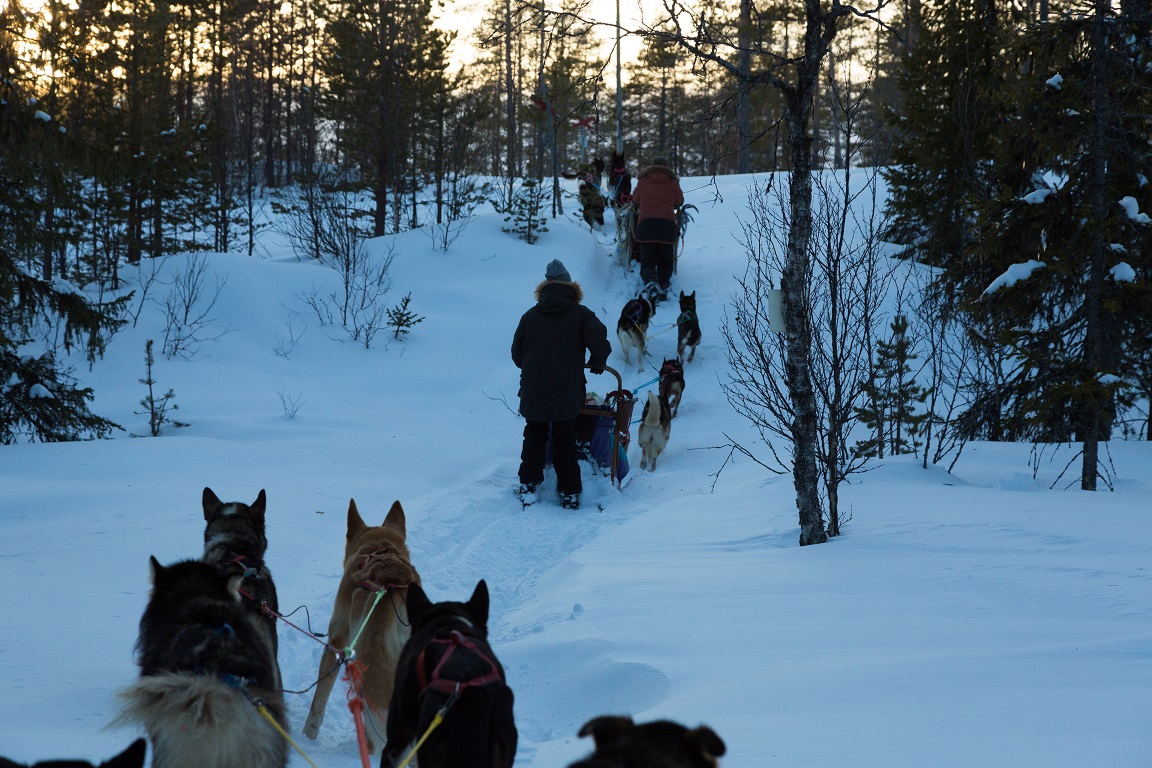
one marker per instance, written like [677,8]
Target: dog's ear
[211,503]
[478,603]
[155,570]
[258,507]
[417,602]
[356,524]
[607,729]
[705,740]
[395,519]
[133,757]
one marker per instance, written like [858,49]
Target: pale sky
[463,17]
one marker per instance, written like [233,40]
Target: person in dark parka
[657,198]
[548,348]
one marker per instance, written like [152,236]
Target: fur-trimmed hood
[579,292]
[659,169]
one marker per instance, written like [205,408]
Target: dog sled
[602,426]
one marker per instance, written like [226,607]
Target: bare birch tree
[796,77]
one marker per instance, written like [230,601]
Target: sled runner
[605,428]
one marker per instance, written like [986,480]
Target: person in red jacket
[657,197]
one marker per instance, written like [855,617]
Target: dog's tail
[652,410]
[199,721]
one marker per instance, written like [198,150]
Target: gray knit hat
[556,272]
[660,160]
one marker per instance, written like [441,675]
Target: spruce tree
[893,399]
[1080,119]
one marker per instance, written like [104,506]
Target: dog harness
[454,640]
[669,368]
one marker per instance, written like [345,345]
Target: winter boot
[527,494]
[570,500]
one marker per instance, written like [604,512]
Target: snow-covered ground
[967,619]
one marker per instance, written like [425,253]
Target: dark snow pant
[656,264]
[564,456]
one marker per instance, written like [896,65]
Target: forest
[1006,132]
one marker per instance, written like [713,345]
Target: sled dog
[133,757]
[687,327]
[234,540]
[448,660]
[376,560]
[658,744]
[672,384]
[205,661]
[591,201]
[655,428]
[632,328]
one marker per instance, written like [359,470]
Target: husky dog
[672,384]
[591,201]
[376,560]
[447,660]
[234,540]
[655,428]
[620,181]
[205,665]
[133,757]
[621,743]
[632,327]
[687,326]
[626,248]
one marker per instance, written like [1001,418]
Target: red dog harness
[436,683]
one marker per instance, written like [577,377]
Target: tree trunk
[1091,409]
[795,302]
[743,97]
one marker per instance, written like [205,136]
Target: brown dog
[621,743]
[376,560]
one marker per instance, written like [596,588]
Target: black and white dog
[206,670]
[447,662]
[687,327]
[632,327]
[234,539]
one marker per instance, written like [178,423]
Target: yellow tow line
[439,718]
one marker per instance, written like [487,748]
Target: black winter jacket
[549,347]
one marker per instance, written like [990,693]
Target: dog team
[433,694]
[664,404]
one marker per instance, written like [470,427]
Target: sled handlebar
[614,372]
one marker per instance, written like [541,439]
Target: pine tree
[946,129]
[402,319]
[39,398]
[1081,114]
[893,397]
[385,65]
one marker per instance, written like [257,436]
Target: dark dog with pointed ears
[234,539]
[687,327]
[448,667]
[133,757]
[208,686]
